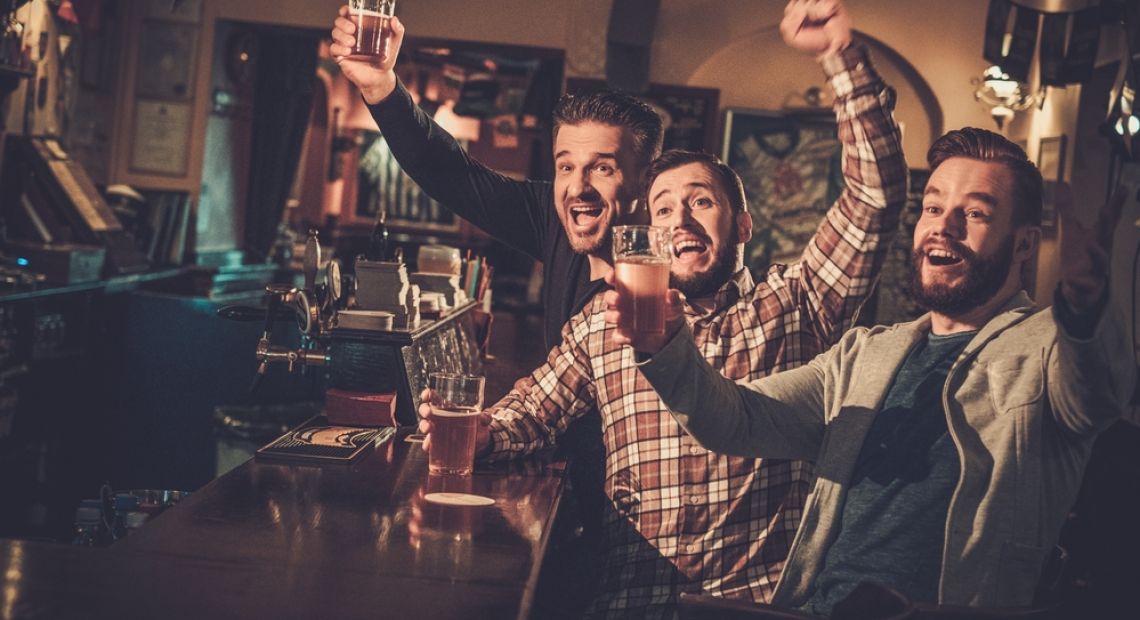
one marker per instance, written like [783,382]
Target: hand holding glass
[642,255]
[373,26]
[456,403]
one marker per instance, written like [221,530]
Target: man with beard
[950,449]
[682,519]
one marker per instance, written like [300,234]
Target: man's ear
[1025,243]
[743,222]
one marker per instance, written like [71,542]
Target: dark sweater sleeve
[518,213]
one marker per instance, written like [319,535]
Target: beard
[707,283]
[984,278]
[591,244]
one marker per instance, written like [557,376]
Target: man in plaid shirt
[683,519]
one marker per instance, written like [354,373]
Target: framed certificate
[161,137]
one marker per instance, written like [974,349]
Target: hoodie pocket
[1015,381]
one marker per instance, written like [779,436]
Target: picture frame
[1051,163]
[690,112]
[791,167]
[161,140]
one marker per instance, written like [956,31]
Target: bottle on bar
[378,242]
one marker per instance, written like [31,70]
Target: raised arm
[779,416]
[1091,373]
[515,212]
[841,261]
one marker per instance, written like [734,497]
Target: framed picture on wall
[689,112]
[1051,163]
[791,168]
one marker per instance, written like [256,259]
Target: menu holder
[316,441]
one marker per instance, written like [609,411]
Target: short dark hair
[985,145]
[610,107]
[675,158]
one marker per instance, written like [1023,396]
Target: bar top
[290,541]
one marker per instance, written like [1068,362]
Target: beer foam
[459,499]
[443,413]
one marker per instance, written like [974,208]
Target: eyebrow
[984,197]
[696,185]
[596,156]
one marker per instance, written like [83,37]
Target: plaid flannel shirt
[683,519]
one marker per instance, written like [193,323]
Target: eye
[604,169]
[662,211]
[931,209]
[565,168]
[702,203]
[977,214]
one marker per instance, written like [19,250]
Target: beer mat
[317,441]
[459,499]
[415,438]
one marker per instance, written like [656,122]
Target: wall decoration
[166,61]
[892,301]
[161,137]
[689,113]
[1051,162]
[791,168]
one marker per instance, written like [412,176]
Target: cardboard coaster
[459,499]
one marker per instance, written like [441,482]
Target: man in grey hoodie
[948,450]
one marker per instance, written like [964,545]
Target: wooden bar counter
[291,541]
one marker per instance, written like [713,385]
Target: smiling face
[967,252]
[708,235]
[595,181]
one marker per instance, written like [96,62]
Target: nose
[952,224]
[579,186]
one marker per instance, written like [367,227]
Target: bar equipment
[371,373]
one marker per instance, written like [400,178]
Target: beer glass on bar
[373,26]
[642,255]
[456,404]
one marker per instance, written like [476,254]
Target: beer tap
[267,354]
[303,305]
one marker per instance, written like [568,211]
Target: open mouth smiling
[585,215]
[938,257]
[689,246]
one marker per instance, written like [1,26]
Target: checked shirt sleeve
[838,269]
[543,404]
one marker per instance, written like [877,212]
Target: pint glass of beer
[456,403]
[373,26]
[642,255]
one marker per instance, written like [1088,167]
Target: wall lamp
[1003,95]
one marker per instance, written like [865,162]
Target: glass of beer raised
[373,26]
[642,255]
[456,403]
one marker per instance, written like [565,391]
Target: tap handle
[312,260]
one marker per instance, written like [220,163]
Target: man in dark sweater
[602,143]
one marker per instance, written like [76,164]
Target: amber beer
[453,432]
[373,20]
[642,255]
[642,282]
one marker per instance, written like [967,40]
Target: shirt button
[694,499]
[694,450]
